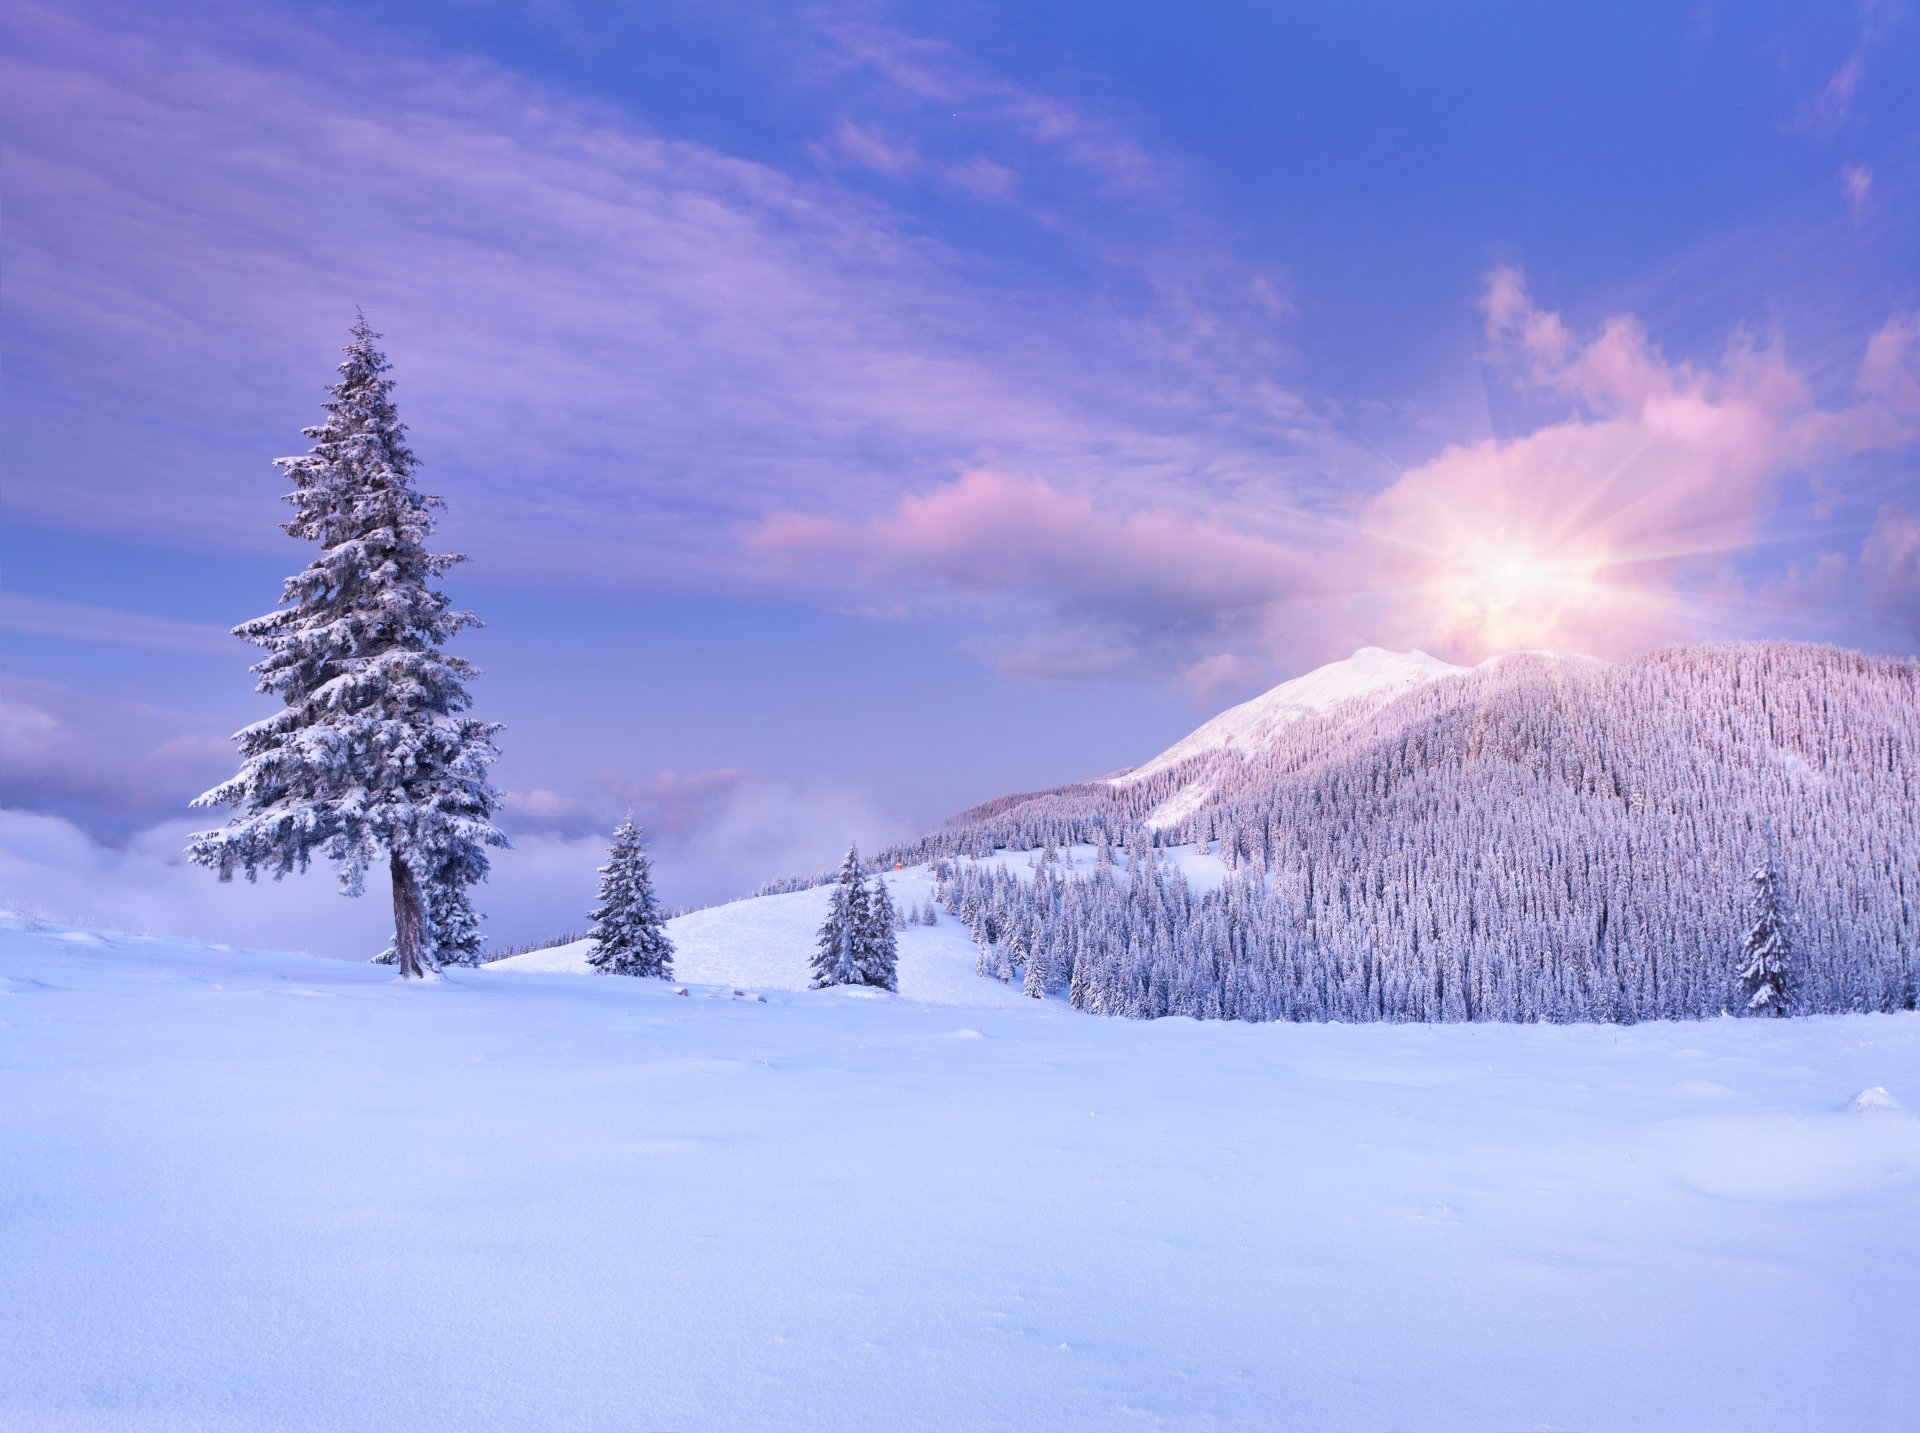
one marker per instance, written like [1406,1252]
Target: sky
[852,412]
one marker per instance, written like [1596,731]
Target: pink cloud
[674,338]
[867,147]
[1891,558]
[990,533]
[1104,590]
[1856,180]
[1606,531]
[103,761]
[675,806]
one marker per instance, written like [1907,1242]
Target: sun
[1518,577]
[1514,594]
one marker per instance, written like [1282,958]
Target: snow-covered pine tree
[452,923]
[1013,951]
[629,928]
[1764,956]
[835,957]
[1035,983]
[878,955]
[372,753]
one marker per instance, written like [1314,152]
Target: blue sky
[856,411]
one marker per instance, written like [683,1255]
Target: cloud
[112,765]
[714,835]
[865,146]
[607,339]
[51,868]
[1113,590]
[1890,370]
[85,622]
[1605,530]
[1856,181]
[544,886]
[1891,558]
[1835,104]
[1612,528]
[96,792]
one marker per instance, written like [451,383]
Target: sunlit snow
[249,1191]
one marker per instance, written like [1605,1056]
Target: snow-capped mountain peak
[1369,679]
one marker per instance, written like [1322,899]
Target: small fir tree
[629,928]
[877,957]
[1767,950]
[371,753]
[1035,982]
[452,922]
[836,955]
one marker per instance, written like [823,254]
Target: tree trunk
[409,922]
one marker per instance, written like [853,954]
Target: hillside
[1540,837]
[229,1177]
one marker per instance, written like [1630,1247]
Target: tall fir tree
[372,753]
[629,928]
[877,952]
[1767,950]
[836,955]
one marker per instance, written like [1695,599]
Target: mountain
[1538,837]
[1363,683]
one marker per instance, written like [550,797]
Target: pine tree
[877,953]
[836,956]
[629,928]
[1013,951]
[1764,957]
[1035,983]
[372,752]
[452,923]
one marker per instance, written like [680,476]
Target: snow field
[268,1191]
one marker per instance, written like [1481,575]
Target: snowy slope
[245,1191]
[1367,680]
[765,944]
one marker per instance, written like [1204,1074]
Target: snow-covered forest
[1538,838]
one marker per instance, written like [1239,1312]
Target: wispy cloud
[1856,181]
[85,622]
[607,338]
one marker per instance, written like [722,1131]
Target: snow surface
[1369,679]
[252,1191]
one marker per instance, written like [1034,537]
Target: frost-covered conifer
[454,923]
[372,753]
[836,956]
[1013,952]
[629,928]
[1764,956]
[1035,983]
[877,951]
